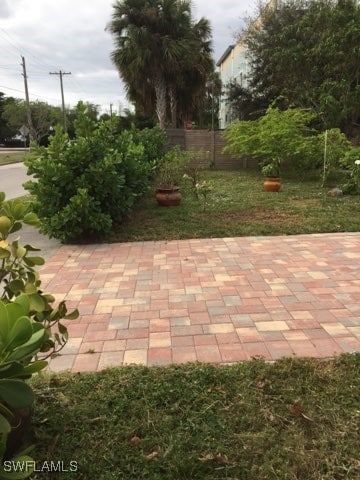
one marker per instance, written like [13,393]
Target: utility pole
[111,105]
[27,102]
[61,73]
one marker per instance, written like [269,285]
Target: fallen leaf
[134,440]
[261,384]
[298,411]
[220,459]
[153,454]
[206,458]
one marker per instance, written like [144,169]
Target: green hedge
[84,186]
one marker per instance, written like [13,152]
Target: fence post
[213,149]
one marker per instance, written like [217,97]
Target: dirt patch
[304,203]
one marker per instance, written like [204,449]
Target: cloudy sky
[69,35]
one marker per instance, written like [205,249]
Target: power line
[35,94]
[20,49]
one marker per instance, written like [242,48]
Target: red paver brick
[86,362]
[326,347]
[205,340]
[231,337]
[93,346]
[199,318]
[137,343]
[249,334]
[303,348]
[110,359]
[61,362]
[187,341]
[279,349]
[101,335]
[208,353]
[183,354]
[114,345]
[348,344]
[160,325]
[256,349]
[132,333]
[232,353]
[159,356]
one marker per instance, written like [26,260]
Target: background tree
[44,116]
[309,52]
[160,52]
[5,130]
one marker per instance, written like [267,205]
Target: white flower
[357,162]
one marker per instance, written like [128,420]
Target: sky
[70,35]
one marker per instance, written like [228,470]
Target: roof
[224,55]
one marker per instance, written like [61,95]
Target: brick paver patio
[211,300]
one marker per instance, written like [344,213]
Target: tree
[244,103]
[309,52]
[5,130]
[159,51]
[44,116]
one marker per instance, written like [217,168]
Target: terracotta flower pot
[272,184]
[168,197]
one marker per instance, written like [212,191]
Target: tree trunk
[160,94]
[173,107]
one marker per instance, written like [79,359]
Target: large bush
[84,186]
[286,138]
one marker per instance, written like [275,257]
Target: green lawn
[237,206]
[12,157]
[292,420]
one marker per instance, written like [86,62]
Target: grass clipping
[295,419]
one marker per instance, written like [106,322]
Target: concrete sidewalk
[208,300]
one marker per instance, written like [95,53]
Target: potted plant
[277,138]
[170,172]
[271,172]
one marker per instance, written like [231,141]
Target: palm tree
[152,37]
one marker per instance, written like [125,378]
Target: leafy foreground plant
[295,419]
[27,324]
[18,275]
[20,339]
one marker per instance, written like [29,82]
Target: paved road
[12,177]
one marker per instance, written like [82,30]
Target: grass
[12,157]
[237,206]
[297,419]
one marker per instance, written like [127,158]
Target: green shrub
[351,162]
[277,138]
[153,140]
[285,138]
[170,170]
[334,147]
[86,185]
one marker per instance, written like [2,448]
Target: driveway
[12,176]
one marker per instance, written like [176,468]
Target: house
[234,65]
